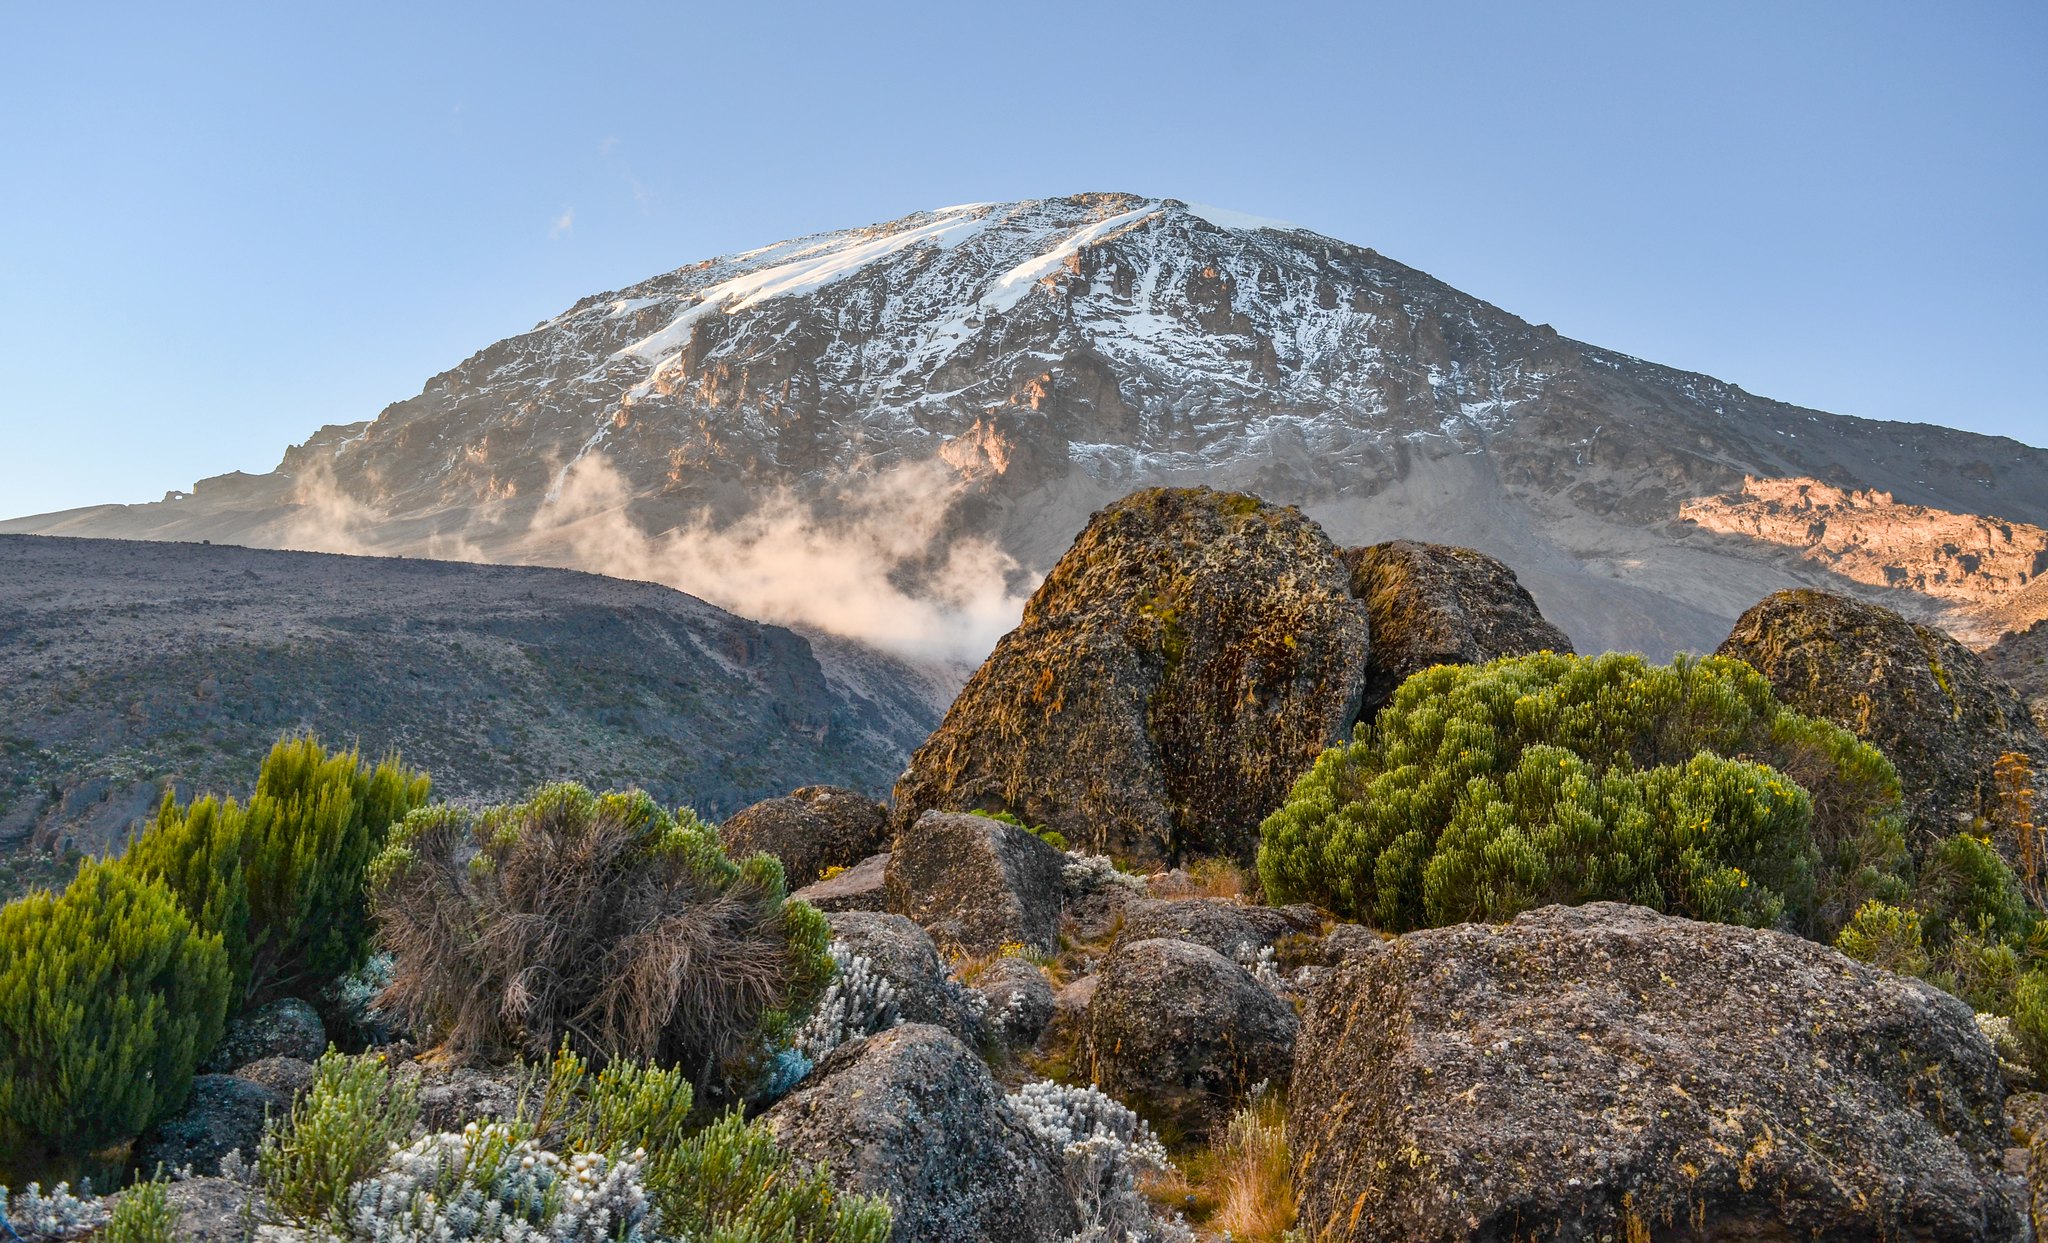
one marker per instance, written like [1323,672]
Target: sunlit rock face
[927,410]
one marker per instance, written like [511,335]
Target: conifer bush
[599,919]
[281,877]
[109,997]
[1482,791]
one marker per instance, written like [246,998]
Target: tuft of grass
[1220,878]
[1241,1185]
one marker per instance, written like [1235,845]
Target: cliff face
[957,390]
[132,667]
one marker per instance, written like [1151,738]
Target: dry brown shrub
[601,920]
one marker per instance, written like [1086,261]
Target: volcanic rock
[815,828]
[976,883]
[1608,1072]
[1192,653]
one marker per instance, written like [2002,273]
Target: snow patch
[1010,288]
[1225,218]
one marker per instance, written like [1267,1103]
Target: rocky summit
[951,394]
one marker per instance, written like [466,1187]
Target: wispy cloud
[563,223]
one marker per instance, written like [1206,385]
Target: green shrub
[339,1133]
[109,996]
[602,920]
[281,877]
[731,1182]
[143,1214]
[1885,936]
[1482,791]
[1051,837]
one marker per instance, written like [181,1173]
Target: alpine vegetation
[1104,1149]
[599,919]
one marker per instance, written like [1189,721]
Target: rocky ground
[128,668]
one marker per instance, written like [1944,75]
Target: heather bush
[281,877]
[109,997]
[1482,791]
[599,919]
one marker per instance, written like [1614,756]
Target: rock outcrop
[1432,604]
[286,1027]
[810,830]
[914,1115]
[1229,928]
[1191,654]
[976,883]
[862,887]
[903,954]
[1607,1072]
[2020,660]
[223,1114]
[1181,1033]
[1018,1000]
[1925,700]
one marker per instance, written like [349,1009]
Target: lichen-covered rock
[1433,604]
[1606,1072]
[216,1210]
[286,1027]
[1187,659]
[1229,928]
[223,1114]
[1916,694]
[862,887]
[1019,998]
[451,1097]
[913,1114]
[2020,660]
[1181,1033]
[815,828]
[903,954]
[976,883]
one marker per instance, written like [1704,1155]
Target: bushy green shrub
[109,997]
[731,1182]
[340,1132]
[1482,791]
[281,877]
[143,1214]
[600,919]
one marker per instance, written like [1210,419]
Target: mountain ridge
[985,376]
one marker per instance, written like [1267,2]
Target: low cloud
[785,562]
[563,223]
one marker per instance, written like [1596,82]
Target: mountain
[128,666]
[888,432]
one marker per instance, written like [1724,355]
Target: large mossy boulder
[1926,701]
[914,1115]
[1191,654]
[977,883]
[811,830]
[1183,1034]
[1434,604]
[903,954]
[1606,1072]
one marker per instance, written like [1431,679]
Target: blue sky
[222,227]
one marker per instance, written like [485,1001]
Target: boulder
[1187,659]
[815,828]
[286,1076]
[1604,1071]
[1914,693]
[223,1114]
[903,954]
[1019,999]
[1230,928]
[451,1097]
[286,1027]
[215,1210]
[1433,604]
[913,1114]
[862,887]
[1181,1033]
[976,883]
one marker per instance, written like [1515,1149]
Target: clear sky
[223,227]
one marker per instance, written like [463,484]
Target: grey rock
[1432,604]
[286,1027]
[222,1115]
[903,954]
[1590,1072]
[862,887]
[1181,1033]
[1229,928]
[286,1076]
[989,883]
[913,1114]
[1020,1000]
[815,828]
